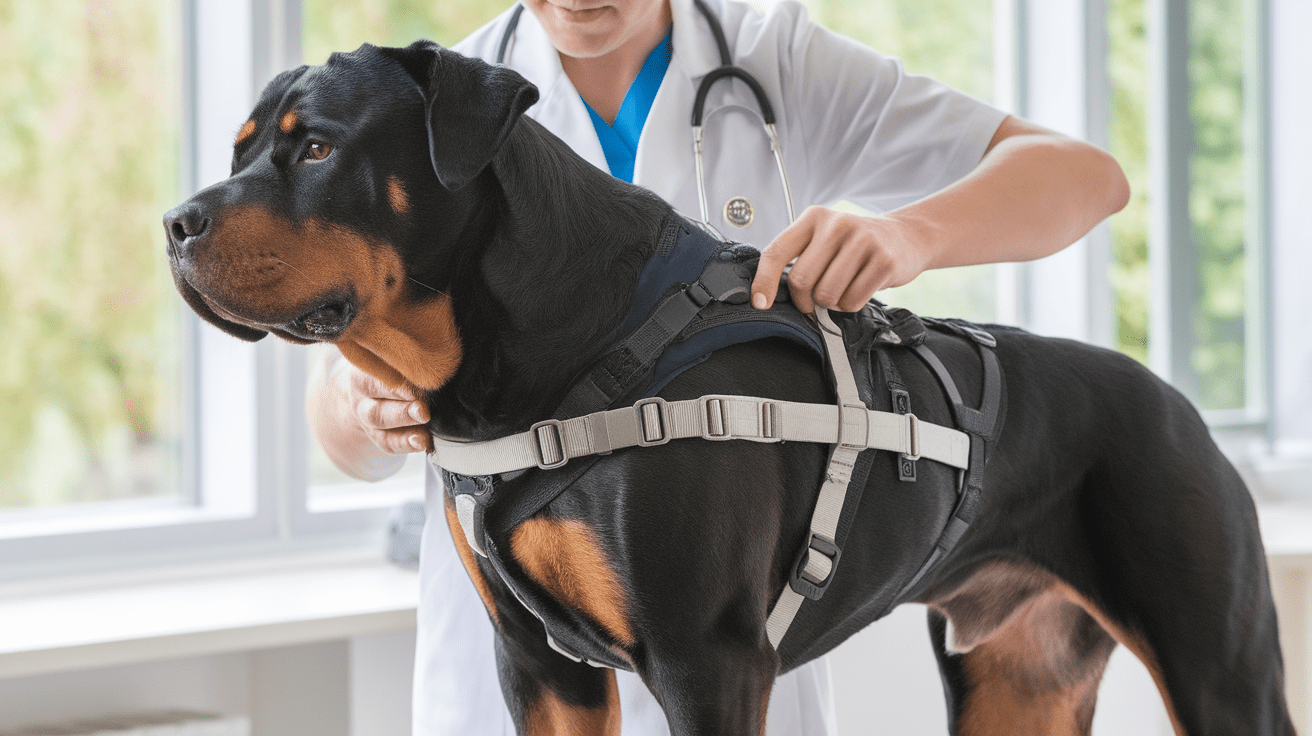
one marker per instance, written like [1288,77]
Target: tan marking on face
[257,263]
[470,561]
[288,122]
[565,558]
[246,131]
[396,195]
[550,716]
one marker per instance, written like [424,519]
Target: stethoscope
[738,211]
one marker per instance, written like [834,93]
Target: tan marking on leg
[288,122]
[396,195]
[550,716]
[246,131]
[1029,678]
[565,558]
[1130,640]
[470,561]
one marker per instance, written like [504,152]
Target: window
[1186,124]
[91,379]
[952,41]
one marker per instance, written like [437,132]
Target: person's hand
[364,426]
[393,418]
[842,260]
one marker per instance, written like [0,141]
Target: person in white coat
[954,180]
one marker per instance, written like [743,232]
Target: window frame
[246,491]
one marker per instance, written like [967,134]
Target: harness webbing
[848,425]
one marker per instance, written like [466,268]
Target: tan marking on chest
[397,196]
[288,122]
[467,557]
[246,131]
[565,558]
[551,716]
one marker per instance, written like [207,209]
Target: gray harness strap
[848,425]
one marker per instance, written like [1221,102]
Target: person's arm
[1033,193]
[363,426]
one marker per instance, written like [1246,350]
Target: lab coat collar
[659,165]
[664,161]
[559,107]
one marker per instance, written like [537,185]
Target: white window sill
[201,609]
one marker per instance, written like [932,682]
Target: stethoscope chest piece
[738,212]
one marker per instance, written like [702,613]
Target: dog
[398,204]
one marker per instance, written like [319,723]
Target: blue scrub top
[620,141]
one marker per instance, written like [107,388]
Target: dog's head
[353,185]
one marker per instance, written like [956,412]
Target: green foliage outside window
[88,321]
[1217,196]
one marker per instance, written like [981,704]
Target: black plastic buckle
[803,585]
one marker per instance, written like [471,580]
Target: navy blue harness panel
[691,299]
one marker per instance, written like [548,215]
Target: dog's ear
[472,106]
[192,297]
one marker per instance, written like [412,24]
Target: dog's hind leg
[549,695]
[1016,656]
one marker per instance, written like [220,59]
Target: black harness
[690,300]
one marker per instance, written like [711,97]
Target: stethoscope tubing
[726,70]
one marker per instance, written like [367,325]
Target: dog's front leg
[712,688]
[549,695]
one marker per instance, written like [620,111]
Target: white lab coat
[853,126]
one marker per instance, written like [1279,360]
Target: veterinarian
[956,181]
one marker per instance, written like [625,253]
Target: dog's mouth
[327,321]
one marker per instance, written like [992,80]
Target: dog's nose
[185,224]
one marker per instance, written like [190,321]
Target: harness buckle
[651,422]
[550,445]
[802,581]
[912,432]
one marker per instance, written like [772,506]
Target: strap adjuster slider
[651,422]
[913,437]
[550,444]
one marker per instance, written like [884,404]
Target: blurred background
[134,439]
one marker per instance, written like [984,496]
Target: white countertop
[202,609]
[191,610]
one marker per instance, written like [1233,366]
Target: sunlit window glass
[89,324]
[951,40]
[1213,371]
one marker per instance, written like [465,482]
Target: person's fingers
[776,256]
[363,384]
[400,441]
[811,266]
[389,413]
[839,275]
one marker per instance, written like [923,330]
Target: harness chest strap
[655,421]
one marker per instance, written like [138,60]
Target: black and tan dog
[396,203]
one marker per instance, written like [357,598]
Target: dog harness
[691,299]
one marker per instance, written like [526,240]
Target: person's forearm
[1030,196]
[333,422]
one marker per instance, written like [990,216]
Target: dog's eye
[317,151]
